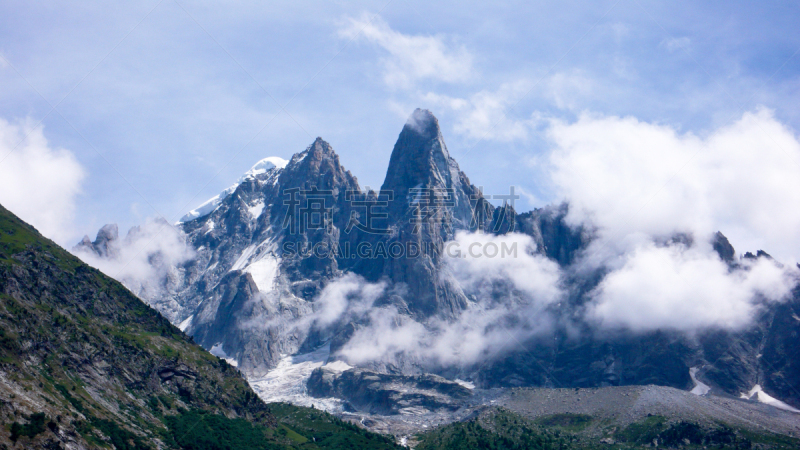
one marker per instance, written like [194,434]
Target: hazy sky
[160,105]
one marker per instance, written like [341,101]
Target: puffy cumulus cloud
[38,183]
[628,177]
[479,261]
[387,337]
[489,114]
[639,184]
[411,58]
[685,289]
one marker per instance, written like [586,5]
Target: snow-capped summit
[265,165]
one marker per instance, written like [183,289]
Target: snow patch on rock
[338,366]
[241,262]
[759,395]
[264,272]
[185,324]
[208,206]
[217,351]
[466,384]
[260,168]
[255,210]
[287,381]
[699,388]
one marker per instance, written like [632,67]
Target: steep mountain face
[255,273]
[96,361]
[422,174]
[431,200]
[85,364]
[148,260]
[265,251]
[385,394]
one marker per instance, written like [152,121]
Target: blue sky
[161,105]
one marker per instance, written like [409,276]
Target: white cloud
[388,336]
[349,297]
[569,90]
[146,261]
[480,333]
[674,44]
[510,293]
[411,58]
[487,114]
[490,114]
[685,289]
[629,177]
[38,183]
[483,259]
[638,184]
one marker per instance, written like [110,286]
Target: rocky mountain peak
[102,245]
[317,166]
[420,158]
[422,174]
[423,122]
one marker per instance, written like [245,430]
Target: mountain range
[297,259]
[85,364]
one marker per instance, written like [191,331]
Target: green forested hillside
[84,363]
[500,429]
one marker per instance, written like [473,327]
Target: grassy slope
[497,428]
[83,360]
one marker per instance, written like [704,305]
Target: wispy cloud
[411,58]
[676,44]
[146,261]
[487,114]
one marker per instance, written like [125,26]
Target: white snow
[256,209]
[264,272]
[466,384]
[699,387]
[287,381]
[338,366]
[185,324]
[217,351]
[261,167]
[209,205]
[242,261]
[757,394]
[264,166]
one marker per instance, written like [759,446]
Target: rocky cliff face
[266,249]
[97,364]
[384,394]
[432,199]
[256,273]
